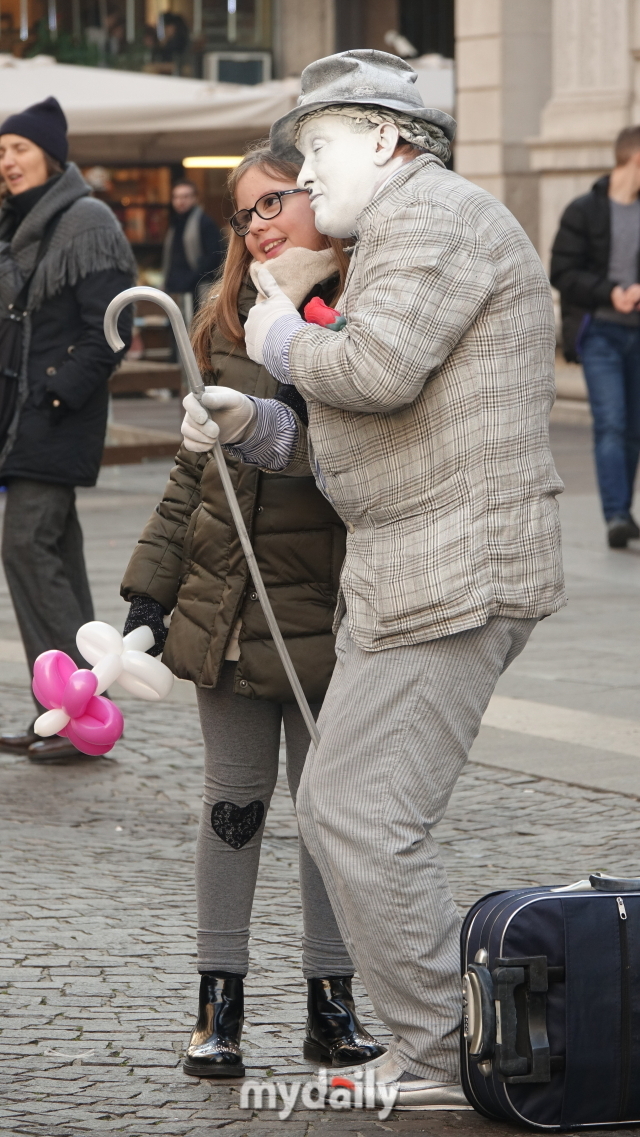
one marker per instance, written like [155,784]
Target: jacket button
[260,509]
[71,349]
[350,527]
[243,682]
[253,596]
[52,371]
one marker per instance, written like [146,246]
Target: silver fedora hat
[362,76]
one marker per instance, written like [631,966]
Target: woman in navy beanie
[63,257]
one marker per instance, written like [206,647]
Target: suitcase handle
[505,1014]
[531,976]
[478,1014]
[603,883]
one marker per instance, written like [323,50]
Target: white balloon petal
[140,639]
[150,675]
[96,639]
[134,686]
[123,661]
[107,671]
[51,722]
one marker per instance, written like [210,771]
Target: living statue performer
[189,559]
[428,432]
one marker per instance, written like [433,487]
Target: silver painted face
[342,170]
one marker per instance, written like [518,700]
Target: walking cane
[196,385]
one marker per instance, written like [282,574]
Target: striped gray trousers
[396,729]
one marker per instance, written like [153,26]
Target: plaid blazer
[429,415]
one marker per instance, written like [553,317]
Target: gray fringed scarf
[87,239]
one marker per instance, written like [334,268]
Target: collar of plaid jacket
[397,178]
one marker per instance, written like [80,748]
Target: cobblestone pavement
[98,969]
[97,976]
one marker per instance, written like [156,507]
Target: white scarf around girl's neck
[297,271]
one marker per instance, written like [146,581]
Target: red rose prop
[317,312]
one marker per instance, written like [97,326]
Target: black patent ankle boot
[214,1046]
[335,1036]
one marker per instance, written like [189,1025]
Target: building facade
[544,87]
[178,36]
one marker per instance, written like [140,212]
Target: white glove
[263,316]
[232,416]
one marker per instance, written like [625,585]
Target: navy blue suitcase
[551,992]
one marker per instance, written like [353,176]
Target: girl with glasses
[189,562]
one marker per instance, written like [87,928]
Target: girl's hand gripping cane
[197,387]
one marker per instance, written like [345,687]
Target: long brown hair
[220,310]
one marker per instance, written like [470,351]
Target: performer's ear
[386,140]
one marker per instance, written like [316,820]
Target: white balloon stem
[140,639]
[107,671]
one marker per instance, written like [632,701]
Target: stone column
[503,65]
[302,32]
[594,70]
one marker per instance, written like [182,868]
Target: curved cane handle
[143,292]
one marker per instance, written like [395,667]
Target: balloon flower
[317,312]
[73,696]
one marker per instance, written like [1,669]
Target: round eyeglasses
[266,207]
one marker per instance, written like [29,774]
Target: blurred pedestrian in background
[174,38]
[193,249]
[63,257]
[595,266]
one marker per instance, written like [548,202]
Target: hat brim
[282,133]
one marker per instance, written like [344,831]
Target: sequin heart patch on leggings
[236,824]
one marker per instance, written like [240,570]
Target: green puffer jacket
[189,559]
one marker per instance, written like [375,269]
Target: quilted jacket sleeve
[573,271]
[416,300]
[155,567]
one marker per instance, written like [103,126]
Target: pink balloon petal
[51,672]
[80,688]
[86,747]
[101,724]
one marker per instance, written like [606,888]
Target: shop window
[140,198]
[429,26]
[162,36]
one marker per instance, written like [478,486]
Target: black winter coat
[580,261]
[71,359]
[67,355]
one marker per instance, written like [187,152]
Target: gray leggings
[242,743]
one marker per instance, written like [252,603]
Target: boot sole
[314,1052]
[213,1071]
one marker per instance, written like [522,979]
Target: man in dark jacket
[595,266]
[63,257]
[193,246]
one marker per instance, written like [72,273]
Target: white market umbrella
[125,116]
